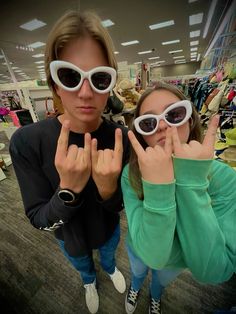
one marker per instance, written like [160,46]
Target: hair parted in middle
[195,133]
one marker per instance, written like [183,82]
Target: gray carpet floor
[35,278]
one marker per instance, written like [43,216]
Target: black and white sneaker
[154,306]
[131,300]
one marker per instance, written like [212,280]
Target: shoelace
[90,288]
[155,306]
[132,296]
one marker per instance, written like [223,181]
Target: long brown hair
[195,133]
[74,25]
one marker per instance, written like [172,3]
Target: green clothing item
[189,223]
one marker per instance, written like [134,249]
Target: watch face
[66,196]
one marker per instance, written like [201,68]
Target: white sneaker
[91,297]
[118,281]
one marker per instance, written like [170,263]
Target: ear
[57,90]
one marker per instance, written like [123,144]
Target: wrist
[68,196]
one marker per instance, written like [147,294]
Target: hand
[73,163]
[107,165]
[194,149]
[155,163]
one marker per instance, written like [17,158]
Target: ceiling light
[39,61]
[32,25]
[180,61]
[195,19]
[116,52]
[209,17]
[39,55]
[40,66]
[128,43]
[175,51]
[17,71]
[170,42]
[4,63]
[193,49]
[144,52]
[177,57]
[161,25]
[194,34]
[107,23]
[193,59]
[13,68]
[36,44]
[138,62]
[198,57]
[152,58]
[194,43]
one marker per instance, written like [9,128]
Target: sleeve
[42,205]
[151,222]
[206,219]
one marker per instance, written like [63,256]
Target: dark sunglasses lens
[176,115]
[148,125]
[101,80]
[68,77]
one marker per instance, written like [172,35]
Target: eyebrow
[151,111]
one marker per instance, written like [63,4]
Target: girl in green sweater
[180,203]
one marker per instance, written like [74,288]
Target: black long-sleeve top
[88,224]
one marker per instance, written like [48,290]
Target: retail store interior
[188,43]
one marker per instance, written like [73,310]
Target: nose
[85,90]
[162,125]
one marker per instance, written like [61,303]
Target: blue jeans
[85,264]
[160,278]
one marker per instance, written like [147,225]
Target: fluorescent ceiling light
[116,52]
[40,66]
[36,44]
[180,61]
[39,55]
[162,61]
[4,63]
[194,59]
[161,25]
[144,52]
[13,68]
[152,58]
[128,43]
[138,62]
[177,57]
[195,19]
[194,43]
[17,71]
[107,23]
[209,17]
[155,64]
[32,25]
[194,34]
[193,49]
[175,51]
[170,42]
[39,61]
[198,57]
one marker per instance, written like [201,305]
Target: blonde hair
[74,25]
[195,133]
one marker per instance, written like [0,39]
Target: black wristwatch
[67,196]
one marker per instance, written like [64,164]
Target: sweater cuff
[191,172]
[159,196]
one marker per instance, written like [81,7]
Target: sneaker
[131,300]
[91,297]
[118,281]
[154,306]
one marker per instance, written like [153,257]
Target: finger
[210,137]
[175,138]
[135,144]
[94,152]
[168,142]
[118,149]
[62,143]
[87,145]
[72,153]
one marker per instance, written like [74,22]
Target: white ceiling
[131,18]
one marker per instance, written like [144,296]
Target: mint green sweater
[190,223]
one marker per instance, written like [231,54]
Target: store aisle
[36,278]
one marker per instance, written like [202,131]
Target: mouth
[161,141]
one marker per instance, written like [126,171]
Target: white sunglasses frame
[58,64]
[183,103]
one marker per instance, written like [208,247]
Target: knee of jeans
[139,271]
